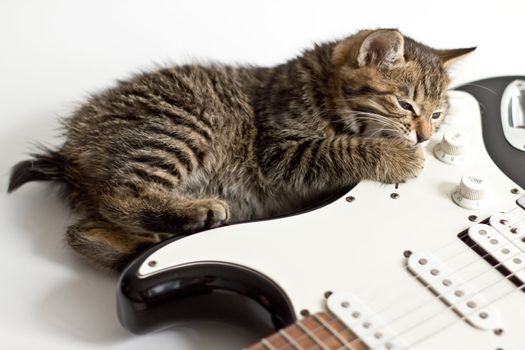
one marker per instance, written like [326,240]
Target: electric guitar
[437,262]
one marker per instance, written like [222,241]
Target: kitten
[193,147]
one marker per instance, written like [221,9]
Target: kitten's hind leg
[106,246]
[158,211]
[187,217]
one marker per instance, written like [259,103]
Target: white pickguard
[357,247]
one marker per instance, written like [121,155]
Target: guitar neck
[318,331]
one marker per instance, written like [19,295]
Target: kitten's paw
[207,213]
[402,160]
[188,217]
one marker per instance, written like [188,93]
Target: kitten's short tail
[46,166]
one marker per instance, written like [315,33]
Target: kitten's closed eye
[406,105]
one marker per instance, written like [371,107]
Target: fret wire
[267,344]
[290,340]
[312,335]
[331,330]
[354,338]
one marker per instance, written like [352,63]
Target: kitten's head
[390,85]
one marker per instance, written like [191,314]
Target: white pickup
[503,245]
[364,322]
[454,291]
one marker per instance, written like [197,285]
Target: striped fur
[192,147]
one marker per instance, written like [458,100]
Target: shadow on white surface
[43,218]
[83,307]
[446,188]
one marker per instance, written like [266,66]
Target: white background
[54,53]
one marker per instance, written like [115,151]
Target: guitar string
[456,287]
[418,324]
[462,283]
[452,305]
[456,254]
[469,248]
[387,324]
[463,299]
[446,245]
[522,288]
[459,253]
[476,259]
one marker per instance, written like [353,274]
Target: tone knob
[471,192]
[452,148]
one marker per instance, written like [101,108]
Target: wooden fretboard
[316,332]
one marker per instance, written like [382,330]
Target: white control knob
[452,148]
[457,114]
[471,193]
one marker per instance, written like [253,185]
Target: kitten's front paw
[401,160]
[207,213]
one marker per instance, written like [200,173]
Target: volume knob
[452,148]
[471,192]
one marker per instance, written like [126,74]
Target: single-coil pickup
[504,246]
[454,291]
[365,323]
[511,225]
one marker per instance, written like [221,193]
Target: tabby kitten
[193,147]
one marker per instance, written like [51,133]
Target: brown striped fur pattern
[192,147]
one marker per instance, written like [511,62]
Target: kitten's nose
[421,138]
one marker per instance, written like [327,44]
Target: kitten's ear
[382,47]
[450,56]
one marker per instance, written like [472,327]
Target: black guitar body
[210,290]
